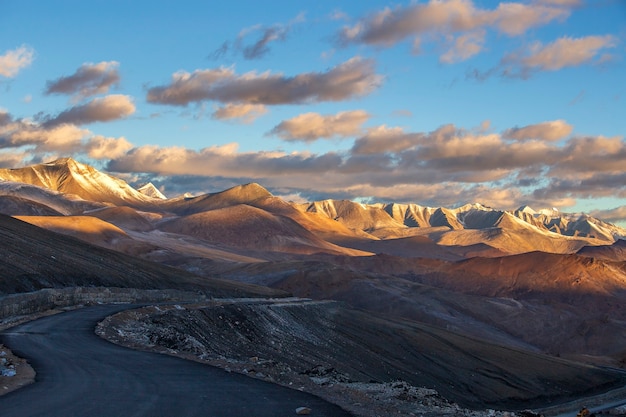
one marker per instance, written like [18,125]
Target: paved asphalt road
[80,374]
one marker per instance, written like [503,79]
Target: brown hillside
[241,194]
[249,227]
[125,218]
[34,258]
[538,272]
[615,252]
[18,206]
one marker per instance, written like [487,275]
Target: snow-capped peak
[69,176]
[151,191]
[526,209]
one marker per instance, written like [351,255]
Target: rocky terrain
[15,372]
[490,308]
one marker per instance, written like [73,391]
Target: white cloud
[460,20]
[88,80]
[309,127]
[553,130]
[62,138]
[245,112]
[12,61]
[32,139]
[104,109]
[100,147]
[383,139]
[353,78]
[563,52]
[515,19]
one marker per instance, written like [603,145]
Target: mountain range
[541,282]
[66,187]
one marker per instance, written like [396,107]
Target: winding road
[80,374]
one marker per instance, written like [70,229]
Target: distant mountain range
[67,187]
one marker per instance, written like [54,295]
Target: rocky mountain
[70,177]
[371,218]
[66,186]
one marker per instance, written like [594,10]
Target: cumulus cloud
[309,127]
[591,154]
[537,164]
[100,147]
[88,80]
[30,139]
[63,138]
[445,154]
[12,61]
[563,52]
[222,160]
[245,112]
[105,109]
[391,26]
[596,185]
[355,77]
[383,139]
[550,131]
[457,19]
[515,19]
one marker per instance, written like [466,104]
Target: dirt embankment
[369,365]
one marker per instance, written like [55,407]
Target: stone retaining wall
[49,298]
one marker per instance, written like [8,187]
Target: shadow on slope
[305,336]
[563,305]
[34,258]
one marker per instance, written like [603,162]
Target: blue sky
[431,102]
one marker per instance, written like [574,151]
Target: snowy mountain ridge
[69,176]
[75,180]
[469,216]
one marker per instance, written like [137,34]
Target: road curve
[80,374]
